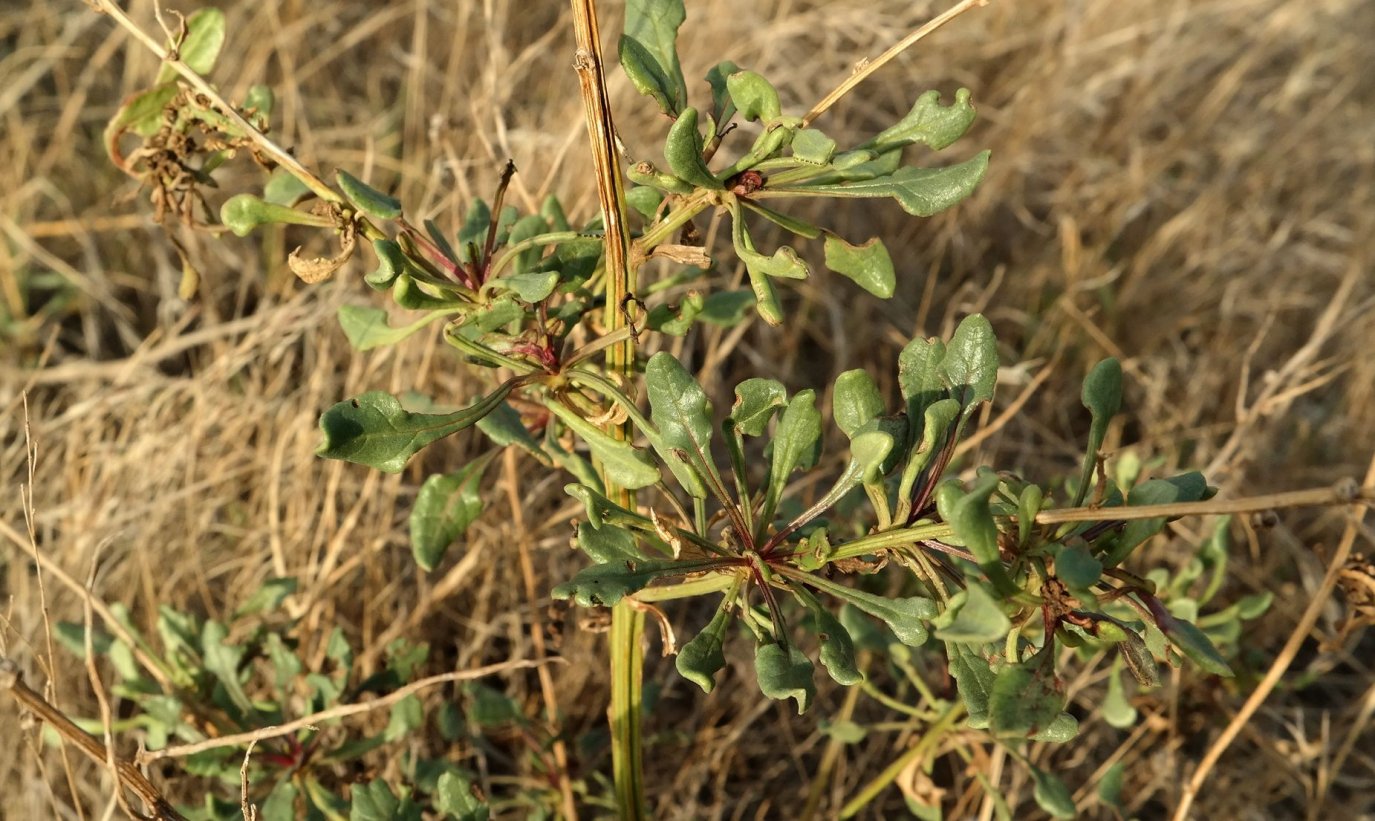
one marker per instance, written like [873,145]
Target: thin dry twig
[1342,493]
[98,687]
[342,711]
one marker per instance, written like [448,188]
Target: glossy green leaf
[1186,487]
[969,514]
[201,47]
[374,430]
[756,401]
[868,265]
[625,464]
[812,146]
[1052,795]
[921,192]
[683,152]
[366,198]
[699,660]
[785,673]
[1076,566]
[928,122]
[973,617]
[654,25]
[754,96]
[857,400]
[244,212]
[971,361]
[1194,644]
[455,796]
[367,328]
[1024,700]
[444,507]
[921,375]
[646,75]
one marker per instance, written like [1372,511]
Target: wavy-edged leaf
[680,409]
[608,544]
[837,648]
[868,265]
[928,122]
[367,328]
[654,25]
[683,152]
[444,508]
[625,464]
[201,47]
[922,192]
[756,401]
[785,673]
[754,96]
[701,658]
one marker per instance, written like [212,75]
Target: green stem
[627,679]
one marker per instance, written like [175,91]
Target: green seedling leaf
[375,430]
[921,375]
[796,443]
[407,293]
[868,265]
[532,287]
[922,192]
[1102,395]
[785,673]
[454,796]
[683,152]
[906,617]
[602,585]
[222,660]
[1064,727]
[367,328]
[646,75]
[284,188]
[1194,644]
[1024,700]
[679,408]
[928,122]
[654,25]
[625,464]
[726,308]
[971,362]
[1186,487]
[837,648]
[608,544]
[722,105]
[366,198]
[756,401]
[973,678]
[857,401]
[699,660]
[1052,795]
[972,520]
[444,507]
[676,320]
[973,617]
[812,146]
[755,97]
[244,212]
[1076,566]
[201,47]
[1117,710]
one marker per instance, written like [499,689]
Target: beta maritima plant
[901,552]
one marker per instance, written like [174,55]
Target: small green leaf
[795,443]
[726,308]
[654,25]
[367,328]
[973,617]
[971,361]
[367,199]
[837,648]
[787,222]
[921,375]
[1194,644]
[625,464]
[868,265]
[722,104]
[533,286]
[1024,700]
[222,660]
[244,212]
[267,597]
[1117,710]
[201,47]
[284,188]
[374,430]
[784,263]
[455,797]
[1076,566]
[683,152]
[970,516]
[646,75]
[1064,727]
[922,192]
[504,428]
[602,585]
[756,401]
[846,732]
[785,673]
[374,801]
[608,544]
[444,507]
[680,410]
[857,401]
[754,96]
[141,113]
[676,320]
[928,122]
[812,146]
[1186,487]
[1102,395]
[973,677]
[1110,787]
[906,617]
[1052,795]
[699,660]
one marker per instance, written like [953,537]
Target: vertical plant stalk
[627,624]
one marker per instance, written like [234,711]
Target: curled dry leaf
[320,269]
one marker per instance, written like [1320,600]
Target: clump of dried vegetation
[1185,186]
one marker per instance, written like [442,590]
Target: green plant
[1001,572]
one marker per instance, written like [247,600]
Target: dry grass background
[1186,185]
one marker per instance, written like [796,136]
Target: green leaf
[785,673]
[244,212]
[928,122]
[756,401]
[857,401]
[267,597]
[868,265]
[374,801]
[726,308]
[874,448]
[367,199]
[407,715]
[787,222]
[222,660]
[601,510]
[973,677]
[1051,794]
[533,286]
[454,796]
[922,192]
[374,430]
[1194,644]
[141,113]
[1186,487]
[700,659]
[444,508]
[602,585]
[646,75]
[795,444]
[973,617]
[722,104]
[754,96]
[1064,727]
[837,648]
[812,146]
[680,410]
[504,428]
[654,25]
[906,617]
[1024,700]
[1117,710]
[1076,566]
[921,375]
[1102,395]
[784,263]
[971,361]
[204,39]
[846,732]
[284,188]
[683,152]
[1110,787]
[367,328]
[608,544]
[970,516]
[675,320]
[625,464]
